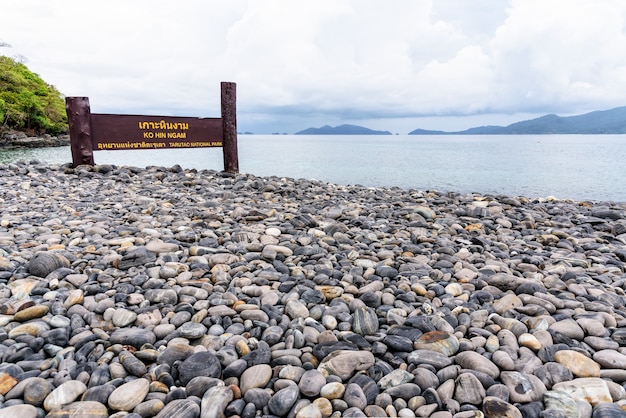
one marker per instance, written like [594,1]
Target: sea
[577,167]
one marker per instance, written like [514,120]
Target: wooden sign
[124,132]
[91,132]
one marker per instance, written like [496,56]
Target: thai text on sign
[127,132]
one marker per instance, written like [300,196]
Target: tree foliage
[27,102]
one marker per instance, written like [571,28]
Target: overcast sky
[393,65]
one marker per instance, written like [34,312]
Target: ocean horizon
[577,167]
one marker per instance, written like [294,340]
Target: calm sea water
[582,167]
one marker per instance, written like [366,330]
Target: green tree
[27,102]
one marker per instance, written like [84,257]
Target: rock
[255,377]
[365,321]
[64,394]
[129,395]
[311,383]
[497,408]
[199,364]
[590,389]
[282,401]
[135,337]
[344,363]
[523,388]
[183,408]
[86,409]
[214,402]
[21,411]
[474,361]
[439,341]
[579,364]
[45,262]
[469,390]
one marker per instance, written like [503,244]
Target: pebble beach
[164,292]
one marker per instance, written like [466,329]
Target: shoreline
[168,291]
[12,139]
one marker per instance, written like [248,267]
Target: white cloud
[307,62]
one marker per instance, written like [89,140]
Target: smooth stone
[296,309]
[214,402]
[579,364]
[33,328]
[149,408]
[19,411]
[433,358]
[199,364]
[311,383]
[365,321]
[395,378]
[333,390]
[259,397]
[164,296]
[593,390]
[497,408]
[255,377]
[551,373]
[474,361]
[309,411]
[7,382]
[523,388]
[129,395]
[561,401]
[282,401]
[439,341]
[174,352]
[182,408]
[135,337]
[64,394]
[610,359]
[569,328]
[83,409]
[36,390]
[192,330]
[132,364]
[32,312]
[158,246]
[45,262]
[608,410]
[354,396]
[200,384]
[469,390]
[405,391]
[99,393]
[344,363]
[123,317]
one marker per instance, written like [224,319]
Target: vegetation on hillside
[27,103]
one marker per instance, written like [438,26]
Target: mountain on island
[611,121]
[342,130]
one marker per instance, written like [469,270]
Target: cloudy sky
[393,65]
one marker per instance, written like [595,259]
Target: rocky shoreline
[18,140]
[180,293]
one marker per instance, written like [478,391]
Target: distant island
[342,130]
[611,121]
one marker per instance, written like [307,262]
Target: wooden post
[78,117]
[229,125]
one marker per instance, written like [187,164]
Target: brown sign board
[91,132]
[127,132]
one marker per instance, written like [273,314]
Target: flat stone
[129,395]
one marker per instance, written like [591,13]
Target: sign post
[91,132]
[229,127]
